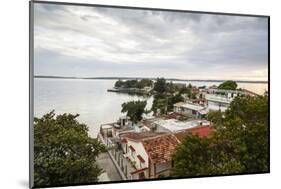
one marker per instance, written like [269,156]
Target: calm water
[91,100]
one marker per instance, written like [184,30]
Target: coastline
[137,78]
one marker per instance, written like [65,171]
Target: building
[219,99]
[232,93]
[173,125]
[217,102]
[148,154]
[190,109]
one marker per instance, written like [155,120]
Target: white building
[218,102]
[219,99]
[189,109]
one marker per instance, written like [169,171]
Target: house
[220,99]
[217,102]
[148,154]
[232,93]
[190,109]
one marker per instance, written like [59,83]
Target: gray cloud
[96,41]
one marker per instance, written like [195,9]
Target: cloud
[126,42]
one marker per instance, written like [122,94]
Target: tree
[185,90]
[228,85]
[247,127]
[174,99]
[63,151]
[118,83]
[160,85]
[134,110]
[238,144]
[134,83]
[160,104]
[216,117]
[144,83]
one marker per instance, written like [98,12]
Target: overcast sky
[95,41]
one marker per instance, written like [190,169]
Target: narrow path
[111,173]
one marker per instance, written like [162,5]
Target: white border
[14,92]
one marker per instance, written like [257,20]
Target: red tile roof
[202,131]
[161,148]
[132,148]
[140,158]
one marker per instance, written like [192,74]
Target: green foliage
[161,104]
[63,151]
[216,117]
[144,83]
[134,110]
[239,143]
[174,99]
[192,96]
[165,102]
[160,85]
[228,85]
[202,87]
[185,90]
[166,95]
[134,83]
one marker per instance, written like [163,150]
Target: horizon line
[152,78]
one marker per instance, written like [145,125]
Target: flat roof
[193,106]
[175,125]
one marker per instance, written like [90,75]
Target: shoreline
[137,78]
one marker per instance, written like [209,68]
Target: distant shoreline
[152,78]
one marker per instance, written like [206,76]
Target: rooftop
[141,135]
[202,131]
[218,98]
[176,125]
[161,148]
[193,106]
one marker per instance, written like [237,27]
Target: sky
[107,42]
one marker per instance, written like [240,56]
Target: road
[111,173]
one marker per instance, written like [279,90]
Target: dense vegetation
[134,110]
[166,94]
[228,85]
[239,143]
[63,151]
[140,84]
